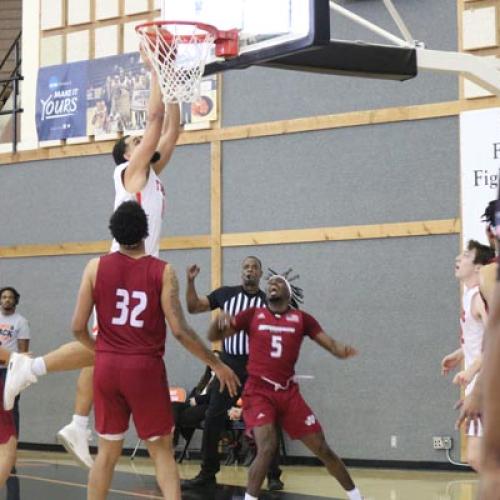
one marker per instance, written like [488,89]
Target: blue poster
[61,110]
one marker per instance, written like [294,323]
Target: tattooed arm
[174,314]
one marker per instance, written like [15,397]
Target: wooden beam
[342,233]
[345,233]
[96,247]
[281,127]
[216,215]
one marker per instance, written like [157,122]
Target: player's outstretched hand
[463,378]
[145,58]
[223,321]
[470,412]
[227,378]
[192,271]
[448,363]
[346,351]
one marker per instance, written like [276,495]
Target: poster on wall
[198,114]
[60,101]
[109,95]
[117,94]
[480,164]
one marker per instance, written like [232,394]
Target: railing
[10,87]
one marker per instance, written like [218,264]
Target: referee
[232,300]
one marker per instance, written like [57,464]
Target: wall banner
[480,163]
[105,96]
[60,101]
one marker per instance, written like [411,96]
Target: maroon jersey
[127,297]
[275,341]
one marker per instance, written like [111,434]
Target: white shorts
[470,431]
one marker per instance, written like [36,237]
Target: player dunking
[271,397]
[139,163]
[133,294]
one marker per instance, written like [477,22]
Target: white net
[178,53]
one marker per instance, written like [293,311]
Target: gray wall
[258,95]
[395,299]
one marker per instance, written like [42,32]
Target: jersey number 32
[129,313]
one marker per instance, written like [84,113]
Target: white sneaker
[19,376]
[76,442]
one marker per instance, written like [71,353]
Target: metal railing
[10,87]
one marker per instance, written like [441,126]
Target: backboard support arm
[482,71]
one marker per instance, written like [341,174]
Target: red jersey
[275,341]
[127,297]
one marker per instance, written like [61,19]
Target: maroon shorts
[7,426]
[127,385]
[263,405]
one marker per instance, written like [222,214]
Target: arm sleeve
[311,326]
[243,319]
[215,299]
[24,330]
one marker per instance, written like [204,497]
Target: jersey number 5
[276,346]
[127,315]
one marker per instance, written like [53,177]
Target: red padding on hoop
[227,43]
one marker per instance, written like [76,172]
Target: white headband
[287,283]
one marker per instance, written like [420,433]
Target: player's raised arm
[137,170]
[174,314]
[84,305]
[195,303]
[168,140]
[338,349]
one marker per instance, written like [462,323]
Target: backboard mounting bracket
[482,71]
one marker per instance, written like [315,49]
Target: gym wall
[354,183]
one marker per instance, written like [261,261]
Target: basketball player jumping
[271,397]
[139,163]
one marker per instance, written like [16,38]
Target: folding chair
[177,394]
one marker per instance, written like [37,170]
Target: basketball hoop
[178,51]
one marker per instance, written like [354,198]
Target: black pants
[187,418]
[216,419]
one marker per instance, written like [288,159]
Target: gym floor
[53,476]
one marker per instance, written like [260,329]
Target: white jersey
[472,331]
[13,327]
[152,200]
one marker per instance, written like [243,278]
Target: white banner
[480,163]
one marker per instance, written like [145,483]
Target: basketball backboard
[267,28]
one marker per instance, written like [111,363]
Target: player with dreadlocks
[271,396]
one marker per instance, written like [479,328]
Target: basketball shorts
[263,405]
[131,385]
[7,425]
[472,432]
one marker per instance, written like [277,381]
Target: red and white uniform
[130,376]
[270,393]
[152,200]
[472,337]
[7,425]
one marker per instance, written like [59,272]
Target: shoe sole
[69,448]
[6,386]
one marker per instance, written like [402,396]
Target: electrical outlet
[442,442]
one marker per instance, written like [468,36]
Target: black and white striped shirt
[233,300]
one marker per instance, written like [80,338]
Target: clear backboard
[267,28]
